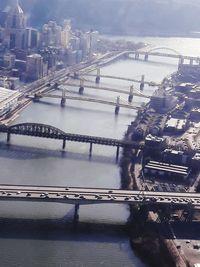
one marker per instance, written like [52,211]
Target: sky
[148,17]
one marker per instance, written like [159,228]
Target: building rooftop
[7,95]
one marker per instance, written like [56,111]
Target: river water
[42,234]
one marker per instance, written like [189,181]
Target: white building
[8,100]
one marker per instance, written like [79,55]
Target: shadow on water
[20,152]
[59,229]
[84,109]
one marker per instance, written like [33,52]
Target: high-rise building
[34,67]
[51,35]
[15,26]
[66,34]
[31,38]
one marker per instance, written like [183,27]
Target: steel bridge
[47,131]
[115,90]
[119,78]
[117,104]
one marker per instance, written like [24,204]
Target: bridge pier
[76,75]
[81,88]
[36,98]
[130,97]
[8,137]
[64,144]
[181,61]
[117,153]
[191,61]
[142,83]
[137,56]
[63,99]
[76,215]
[117,107]
[98,76]
[146,57]
[90,151]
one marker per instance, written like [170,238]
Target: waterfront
[46,165]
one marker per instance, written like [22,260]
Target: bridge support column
[76,215]
[63,99]
[191,61]
[117,107]
[181,61]
[137,56]
[81,88]
[117,153]
[64,144]
[142,83]
[130,97]
[98,76]
[8,137]
[76,75]
[90,152]
[146,57]
[36,98]
[56,86]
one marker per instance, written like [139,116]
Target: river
[42,234]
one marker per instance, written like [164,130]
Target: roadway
[115,90]
[77,195]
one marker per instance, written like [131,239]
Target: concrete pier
[130,97]
[98,76]
[8,137]
[117,107]
[81,88]
[146,57]
[117,153]
[63,99]
[90,151]
[36,98]
[76,215]
[142,83]
[64,143]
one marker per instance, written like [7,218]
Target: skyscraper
[15,27]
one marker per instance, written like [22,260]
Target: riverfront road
[77,195]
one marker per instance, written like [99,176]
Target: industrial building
[165,170]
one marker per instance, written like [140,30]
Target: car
[58,194]
[187,242]
[18,192]
[66,196]
[28,194]
[82,197]
[127,198]
[110,191]
[9,194]
[76,195]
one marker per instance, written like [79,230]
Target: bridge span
[85,196]
[150,83]
[47,131]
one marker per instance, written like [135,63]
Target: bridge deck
[137,93]
[74,195]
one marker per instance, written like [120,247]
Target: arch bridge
[48,131]
[161,52]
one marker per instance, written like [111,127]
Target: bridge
[158,51]
[130,93]
[47,131]
[150,83]
[117,104]
[86,196]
